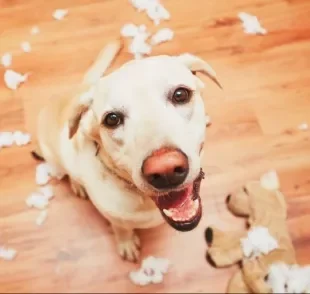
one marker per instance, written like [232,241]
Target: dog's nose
[165,169]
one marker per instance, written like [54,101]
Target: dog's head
[148,118]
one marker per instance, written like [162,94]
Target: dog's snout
[165,169]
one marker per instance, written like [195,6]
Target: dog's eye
[113,119]
[181,95]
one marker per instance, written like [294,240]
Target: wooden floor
[255,128]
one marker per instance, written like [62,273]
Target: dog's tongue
[179,205]
[175,199]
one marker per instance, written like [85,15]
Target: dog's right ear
[196,64]
[81,106]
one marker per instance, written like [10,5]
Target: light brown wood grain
[254,128]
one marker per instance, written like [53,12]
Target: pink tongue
[175,199]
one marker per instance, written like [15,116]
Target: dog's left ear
[196,64]
[81,106]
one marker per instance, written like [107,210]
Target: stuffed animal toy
[265,251]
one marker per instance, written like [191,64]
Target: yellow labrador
[132,141]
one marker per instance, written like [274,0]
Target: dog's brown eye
[181,95]
[113,119]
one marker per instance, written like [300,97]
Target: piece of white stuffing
[13,79]
[152,270]
[298,280]
[138,46]
[9,138]
[6,59]
[163,35]
[153,8]
[259,241]
[6,139]
[270,180]
[59,14]
[283,278]
[26,47]
[303,127]
[21,138]
[7,253]
[43,173]
[129,30]
[35,30]
[41,217]
[37,200]
[277,276]
[47,192]
[251,24]
[139,34]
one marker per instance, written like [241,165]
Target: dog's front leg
[128,243]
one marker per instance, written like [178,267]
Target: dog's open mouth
[182,209]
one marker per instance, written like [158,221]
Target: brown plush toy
[267,241]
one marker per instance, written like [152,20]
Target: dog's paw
[130,249]
[78,189]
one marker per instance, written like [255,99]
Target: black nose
[165,169]
[168,180]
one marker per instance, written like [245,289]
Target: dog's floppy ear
[196,64]
[81,106]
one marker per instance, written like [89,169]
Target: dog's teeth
[167,212]
[196,204]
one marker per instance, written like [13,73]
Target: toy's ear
[196,64]
[81,106]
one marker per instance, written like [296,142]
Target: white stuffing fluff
[9,138]
[259,241]
[139,34]
[277,277]
[129,30]
[270,180]
[138,46]
[6,139]
[43,173]
[37,200]
[26,47]
[284,278]
[7,253]
[47,192]
[59,14]
[41,217]
[152,270]
[6,59]
[303,127]
[161,36]
[21,138]
[13,79]
[251,24]
[35,30]
[153,8]
[298,280]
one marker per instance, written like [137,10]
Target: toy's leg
[237,285]
[224,247]
[254,274]
[238,203]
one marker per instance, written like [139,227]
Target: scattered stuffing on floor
[152,270]
[251,24]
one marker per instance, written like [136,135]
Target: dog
[132,142]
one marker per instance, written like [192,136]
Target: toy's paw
[129,249]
